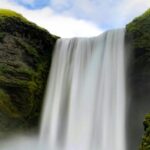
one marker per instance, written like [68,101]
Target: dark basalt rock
[25,57]
[138,37]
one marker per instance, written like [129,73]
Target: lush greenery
[138,35]
[146,138]
[25,57]
[139,30]
[9,13]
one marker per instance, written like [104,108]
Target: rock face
[25,56]
[138,37]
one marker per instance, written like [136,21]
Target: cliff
[138,37]
[25,56]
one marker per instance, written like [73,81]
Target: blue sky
[33,4]
[95,15]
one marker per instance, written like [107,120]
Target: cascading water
[85,101]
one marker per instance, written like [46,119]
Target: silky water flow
[85,102]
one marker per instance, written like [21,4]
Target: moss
[7,13]
[138,37]
[25,58]
[145,145]
[6,105]
[20,72]
[10,13]
[28,48]
[139,30]
[19,24]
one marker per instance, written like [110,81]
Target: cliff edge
[25,56]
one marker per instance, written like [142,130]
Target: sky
[78,18]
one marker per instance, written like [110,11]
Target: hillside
[138,44]
[25,56]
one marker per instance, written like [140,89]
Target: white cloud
[56,24]
[61,25]
[108,13]
[134,8]
[68,18]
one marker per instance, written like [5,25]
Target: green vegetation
[7,13]
[10,13]
[139,30]
[25,57]
[6,105]
[138,35]
[146,138]
[28,48]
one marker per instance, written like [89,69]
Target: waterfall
[85,101]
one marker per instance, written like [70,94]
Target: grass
[11,13]
[6,13]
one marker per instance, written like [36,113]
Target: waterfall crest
[85,100]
